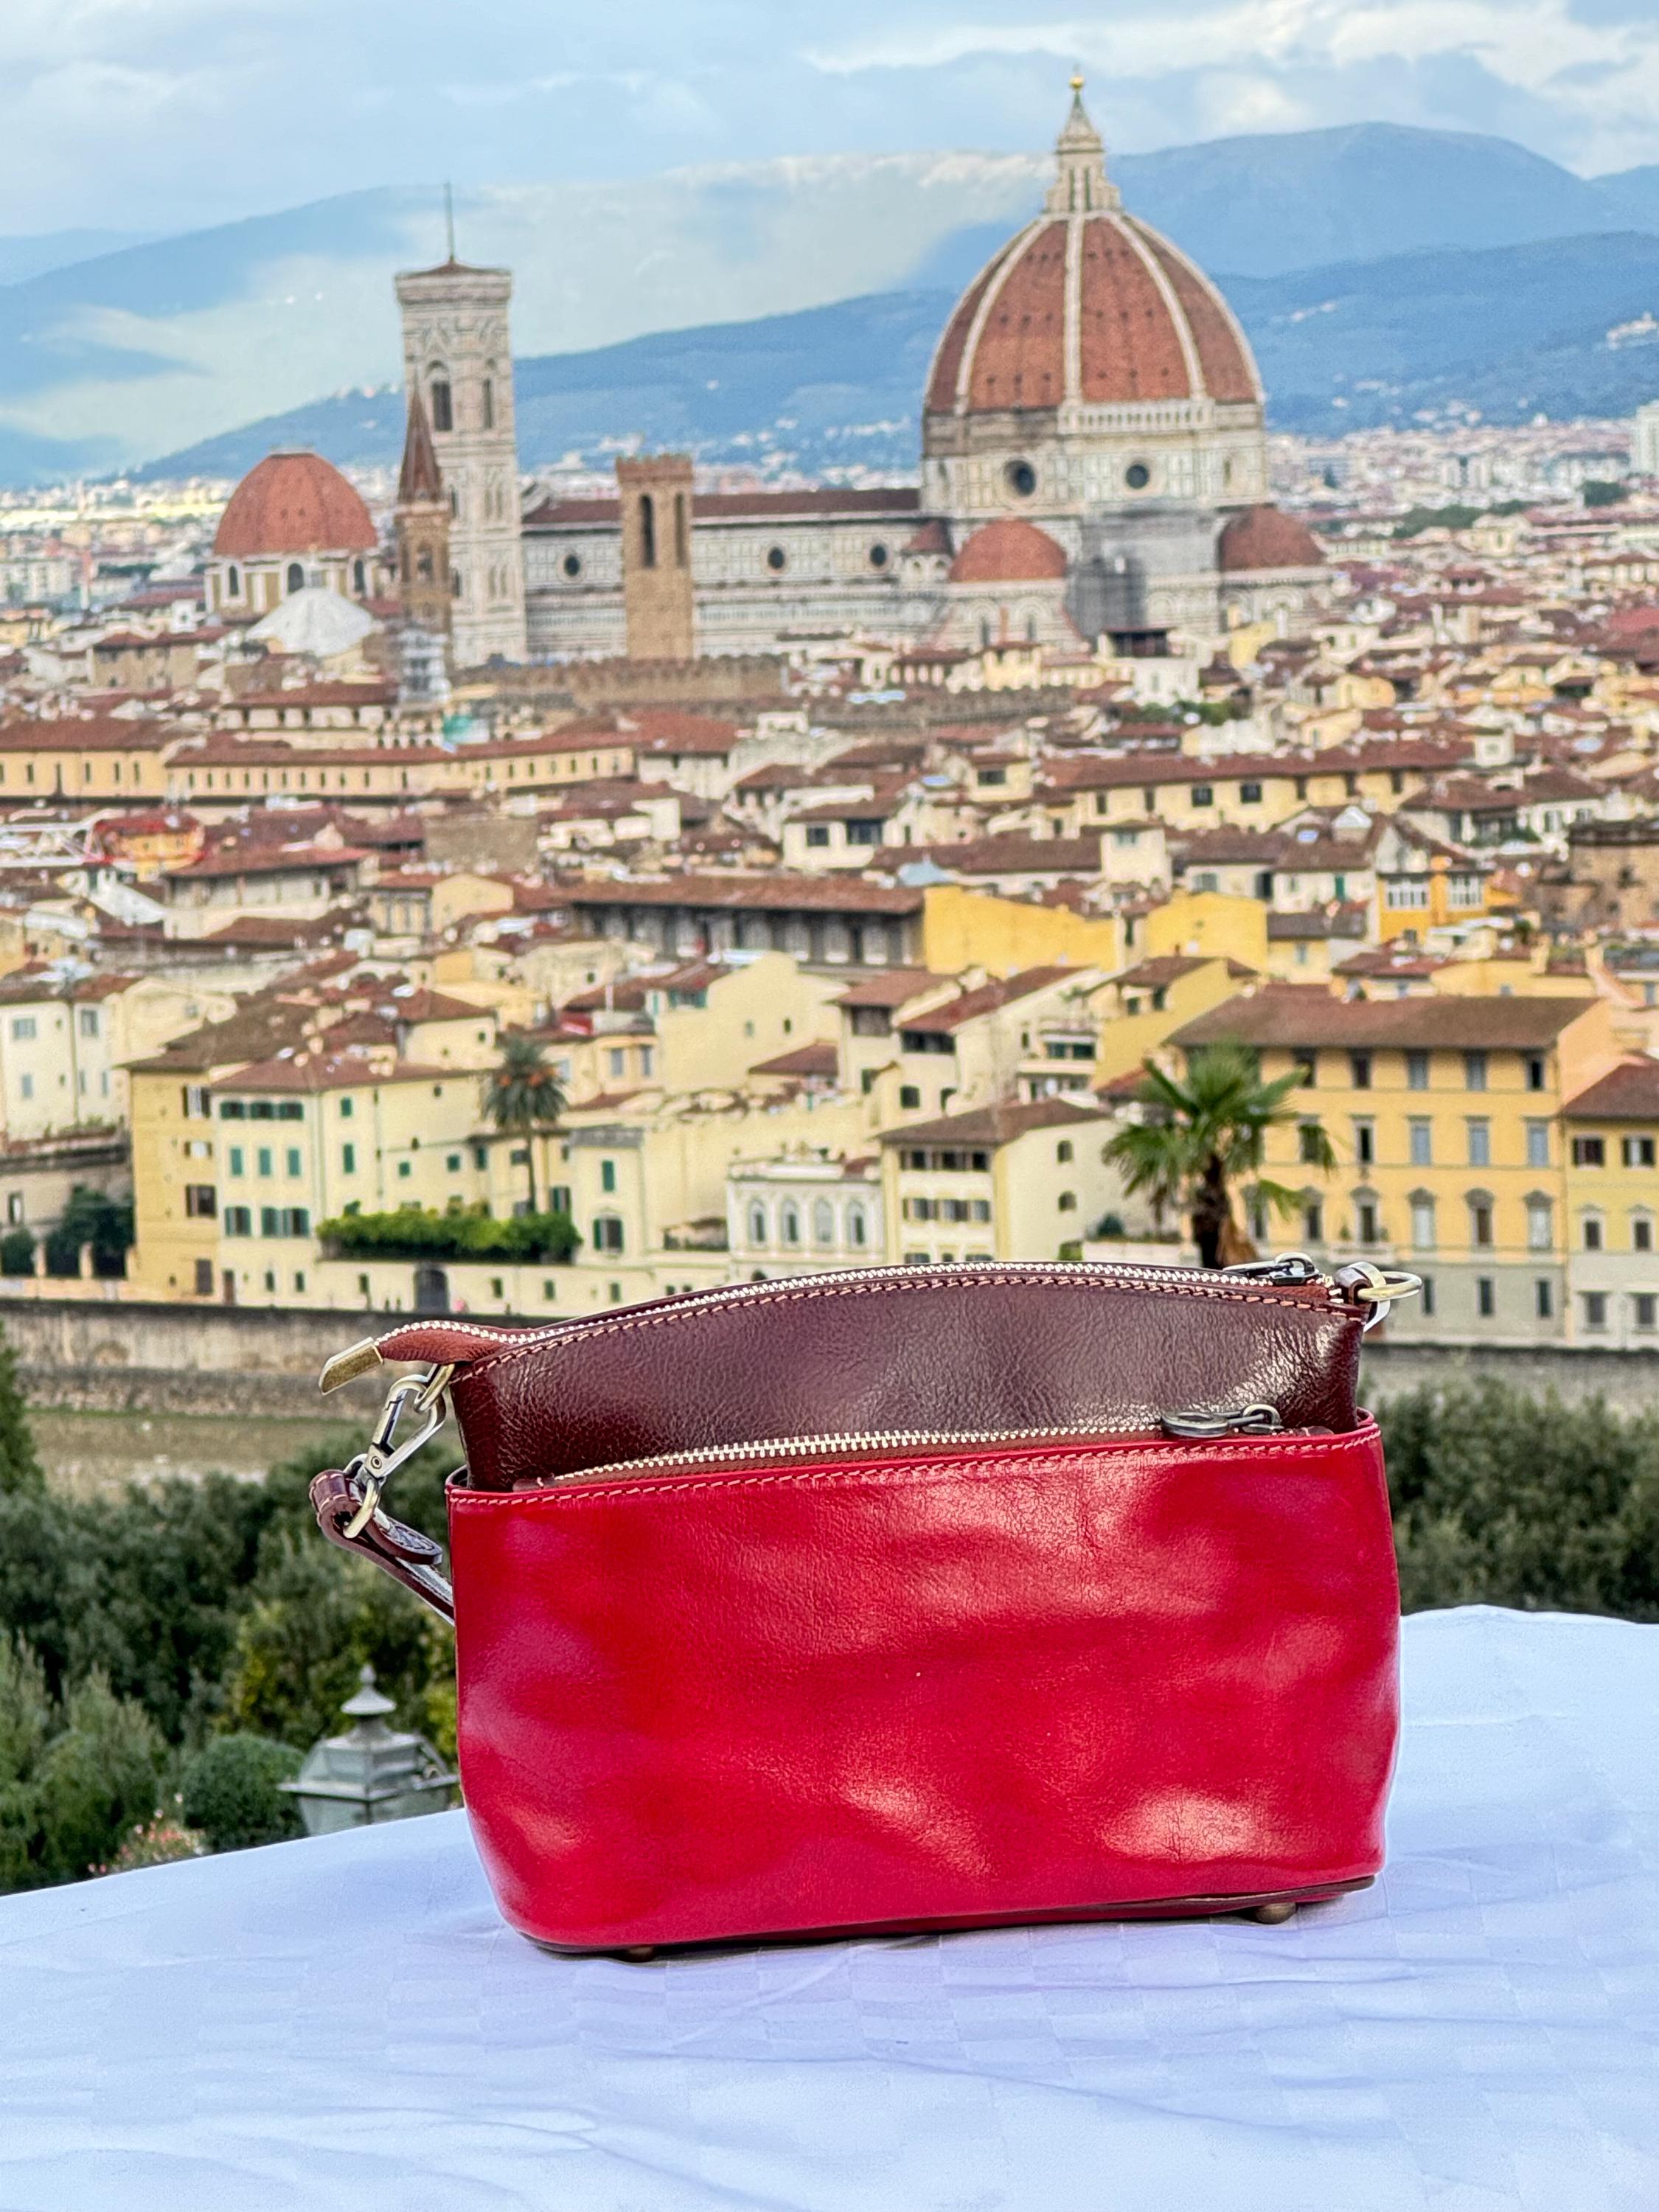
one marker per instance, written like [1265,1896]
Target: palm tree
[522,1096]
[1202,1134]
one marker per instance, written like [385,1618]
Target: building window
[1360,1070]
[776,559]
[1480,1220]
[757,1224]
[1427,1297]
[1636,1151]
[1063,1151]
[1366,1219]
[22,1029]
[608,1168]
[1417,1071]
[1308,1063]
[572,565]
[1021,477]
[1645,1308]
[1537,1144]
[349,1159]
[1589,1151]
[824,1222]
[855,1226]
[1535,1071]
[647,518]
[1641,1232]
[201,1201]
[1591,1229]
[1540,1226]
[293,1167]
[1422,1222]
[1474,1071]
[1421,1134]
[607,1233]
[90,1029]
[487,397]
[443,405]
[1365,1144]
[789,1222]
[1486,1296]
[1543,1298]
[909,1096]
[1250,794]
[1067,1201]
[817,834]
[204,1278]
[239,1221]
[1595,1309]
[233,590]
[1204,795]
[1313,1222]
[1310,1139]
[295,577]
[1480,1143]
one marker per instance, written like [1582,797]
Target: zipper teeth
[1208,1282]
[786,1448]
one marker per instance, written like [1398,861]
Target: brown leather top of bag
[962,1351]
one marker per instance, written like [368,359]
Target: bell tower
[659,604]
[457,366]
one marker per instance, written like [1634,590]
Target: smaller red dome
[1262,538]
[1009,552]
[293,503]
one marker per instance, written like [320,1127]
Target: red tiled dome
[1262,538]
[293,503]
[1088,306]
[1009,551]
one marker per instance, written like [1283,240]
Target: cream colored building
[1000,1183]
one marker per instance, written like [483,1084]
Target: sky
[160,115]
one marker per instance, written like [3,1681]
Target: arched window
[455,583]
[296,576]
[443,407]
[423,564]
[486,402]
[647,531]
[1590,1228]
[791,1223]
[234,581]
[824,1222]
[1480,1227]
[855,1224]
[682,532]
[359,578]
[1068,1201]
[1540,1223]
[1422,1205]
[1063,1150]
[757,1224]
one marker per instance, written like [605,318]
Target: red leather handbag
[909,1598]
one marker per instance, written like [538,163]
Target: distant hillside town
[830,861]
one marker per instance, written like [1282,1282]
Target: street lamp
[371,1773]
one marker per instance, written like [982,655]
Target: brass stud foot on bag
[641,1955]
[1273,1915]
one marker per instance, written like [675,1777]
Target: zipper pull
[1286,1270]
[1195,1426]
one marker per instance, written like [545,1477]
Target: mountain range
[1368,263]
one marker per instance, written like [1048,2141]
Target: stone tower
[658,605]
[458,361]
[421,521]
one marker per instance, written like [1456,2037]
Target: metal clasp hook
[428,1395]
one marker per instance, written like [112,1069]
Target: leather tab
[408,1555]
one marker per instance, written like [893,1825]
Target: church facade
[1093,466]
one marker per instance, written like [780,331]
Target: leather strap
[408,1555]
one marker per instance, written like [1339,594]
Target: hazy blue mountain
[22,258]
[110,359]
[1513,331]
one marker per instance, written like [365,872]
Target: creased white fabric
[345,2023]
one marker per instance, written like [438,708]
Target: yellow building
[1001,1182]
[1612,1157]
[99,757]
[963,928]
[1444,1115]
[1141,1006]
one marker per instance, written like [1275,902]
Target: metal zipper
[1191,1424]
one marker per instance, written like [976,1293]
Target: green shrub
[91,1217]
[414,1233]
[230,1793]
[17,1252]
[95,1781]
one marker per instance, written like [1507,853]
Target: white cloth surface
[346,2023]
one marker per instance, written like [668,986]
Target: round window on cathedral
[1022,478]
[573,565]
[776,559]
[878,556]
[1137,476]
